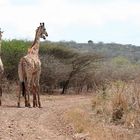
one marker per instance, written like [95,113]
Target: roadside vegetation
[110,76]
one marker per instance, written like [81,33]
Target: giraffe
[1,68]
[29,70]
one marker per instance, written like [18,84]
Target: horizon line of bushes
[68,69]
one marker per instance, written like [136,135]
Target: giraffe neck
[35,46]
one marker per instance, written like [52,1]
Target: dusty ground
[38,124]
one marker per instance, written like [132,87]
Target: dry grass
[120,104]
[115,115]
[95,129]
[79,119]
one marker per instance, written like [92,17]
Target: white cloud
[64,12]
[4,2]
[60,15]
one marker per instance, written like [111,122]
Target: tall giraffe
[1,68]
[29,70]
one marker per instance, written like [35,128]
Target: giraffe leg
[34,97]
[38,96]
[0,94]
[34,101]
[34,105]
[29,86]
[25,95]
[37,87]
[0,101]
[28,100]
[34,92]
[18,102]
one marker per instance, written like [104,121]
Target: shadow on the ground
[10,106]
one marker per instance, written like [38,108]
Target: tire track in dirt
[37,124]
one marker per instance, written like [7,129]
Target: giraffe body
[1,70]
[29,70]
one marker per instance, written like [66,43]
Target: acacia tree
[55,66]
[79,63]
[60,65]
[53,72]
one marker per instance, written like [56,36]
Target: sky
[105,21]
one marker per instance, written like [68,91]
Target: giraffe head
[41,31]
[1,33]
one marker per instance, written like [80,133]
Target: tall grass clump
[121,105]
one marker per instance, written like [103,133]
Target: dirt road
[35,123]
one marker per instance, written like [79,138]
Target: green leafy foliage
[12,51]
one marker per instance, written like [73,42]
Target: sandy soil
[35,123]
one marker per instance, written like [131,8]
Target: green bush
[12,51]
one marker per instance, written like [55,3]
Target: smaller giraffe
[29,70]
[1,68]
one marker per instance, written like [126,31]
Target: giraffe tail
[23,88]
[21,77]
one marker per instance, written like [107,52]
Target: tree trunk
[65,87]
